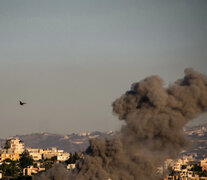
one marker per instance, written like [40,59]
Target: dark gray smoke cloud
[58,172]
[154,119]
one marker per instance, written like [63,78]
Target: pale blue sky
[69,60]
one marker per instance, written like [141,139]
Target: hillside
[198,138]
[79,142]
[69,143]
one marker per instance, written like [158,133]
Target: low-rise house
[8,155]
[63,156]
[48,154]
[204,168]
[187,159]
[60,154]
[190,174]
[35,153]
[31,170]
[177,165]
[183,173]
[71,166]
[203,164]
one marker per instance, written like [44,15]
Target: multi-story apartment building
[14,146]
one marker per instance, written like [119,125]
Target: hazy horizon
[69,60]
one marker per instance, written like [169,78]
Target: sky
[70,59]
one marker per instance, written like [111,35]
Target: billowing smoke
[58,172]
[154,119]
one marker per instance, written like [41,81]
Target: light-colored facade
[13,149]
[63,156]
[177,165]
[31,170]
[5,155]
[203,162]
[60,154]
[14,146]
[71,166]
[183,168]
[48,154]
[35,153]
[38,154]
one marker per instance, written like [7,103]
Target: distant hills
[69,143]
[79,142]
[198,138]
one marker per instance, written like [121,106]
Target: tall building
[14,146]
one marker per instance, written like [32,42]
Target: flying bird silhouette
[22,103]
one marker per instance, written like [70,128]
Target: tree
[204,173]
[196,168]
[25,160]
[7,146]
[183,166]
[47,164]
[73,158]
[54,158]
[171,171]
[10,168]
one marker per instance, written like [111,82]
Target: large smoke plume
[154,119]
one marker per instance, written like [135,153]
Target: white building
[71,166]
[35,153]
[60,154]
[14,146]
[63,156]
[31,170]
[203,162]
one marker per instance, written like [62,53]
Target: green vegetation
[14,169]
[73,158]
[183,166]
[10,168]
[204,173]
[196,168]
[54,158]
[47,164]
[25,160]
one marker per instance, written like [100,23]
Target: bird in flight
[22,103]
